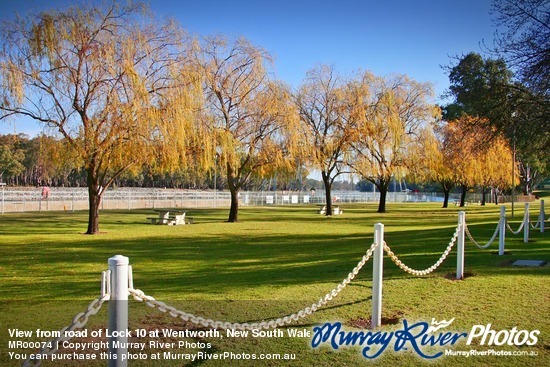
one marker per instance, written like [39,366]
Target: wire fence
[70,199]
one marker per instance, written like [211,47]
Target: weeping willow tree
[111,81]
[391,115]
[439,156]
[324,105]
[250,115]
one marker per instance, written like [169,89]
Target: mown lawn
[273,263]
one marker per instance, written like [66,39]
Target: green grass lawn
[273,263]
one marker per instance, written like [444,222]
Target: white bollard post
[542,216]
[377,274]
[527,223]
[460,246]
[502,230]
[118,310]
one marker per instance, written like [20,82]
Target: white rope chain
[426,271]
[488,243]
[520,227]
[197,320]
[79,321]
[537,224]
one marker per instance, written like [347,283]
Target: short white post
[377,271]
[502,230]
[118,310]
[542,216]
[527,223]
[460,246]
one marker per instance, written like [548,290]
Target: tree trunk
[234,191]
[483,195]
[234,208]
[447,186]
[463,196]
[446,194]
[383,188]
[94,200]
[328,193]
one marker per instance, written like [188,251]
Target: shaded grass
[274,262]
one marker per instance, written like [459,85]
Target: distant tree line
[24,162]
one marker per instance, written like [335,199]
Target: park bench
[335,210]
[168,217]
[177,219]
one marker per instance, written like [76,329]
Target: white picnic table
[335,209]
[171,217]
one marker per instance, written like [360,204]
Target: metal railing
[71,199]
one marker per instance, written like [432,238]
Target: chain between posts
[274,323]
[488,243]
[79,321]
[428,270]
[537,224]
[520,227]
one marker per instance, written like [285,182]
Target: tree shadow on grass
[190,259]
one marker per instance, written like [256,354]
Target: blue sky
[413,37]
